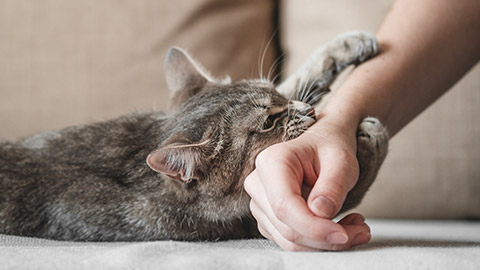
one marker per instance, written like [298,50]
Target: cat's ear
[181,161]
[184,76]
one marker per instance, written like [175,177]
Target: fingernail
[337,238]
[361,238]
[323,207]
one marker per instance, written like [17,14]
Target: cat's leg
[372,147]
[313,79]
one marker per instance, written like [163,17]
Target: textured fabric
[397,244]
[432,168]
[71,62]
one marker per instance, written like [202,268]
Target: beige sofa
[71,62]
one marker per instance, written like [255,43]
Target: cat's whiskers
[274,67]
[309,91]
[308,84]
[303,117]
[315,97]
[295,115]
[279,74]
[262,58]
[302,87]
[298,92]
[289,103]
[314,94]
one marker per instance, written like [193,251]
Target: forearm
[426,46]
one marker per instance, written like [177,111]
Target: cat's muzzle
[310,112]
[302,109]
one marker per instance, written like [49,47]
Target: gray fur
[91,182]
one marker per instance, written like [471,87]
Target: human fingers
[283,203]
[267,229]
[265,226]
[338,174]
[283,234]
[364,234]
[358,232]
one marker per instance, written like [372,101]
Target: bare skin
[426,46]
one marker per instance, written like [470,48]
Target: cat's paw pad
[361,45]
[367,126]
[371,134]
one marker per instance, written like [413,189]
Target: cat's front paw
[372,147]
[355,48]
[372,137]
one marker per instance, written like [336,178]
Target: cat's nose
[308,111]
[303,109]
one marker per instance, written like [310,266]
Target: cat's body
[92,183]
[149,176]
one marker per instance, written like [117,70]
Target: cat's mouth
[303,116]
[311,113]
[301,108]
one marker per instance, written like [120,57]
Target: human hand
[298,186]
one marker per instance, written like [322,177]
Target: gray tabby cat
[149,176]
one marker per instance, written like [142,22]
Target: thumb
[338,175]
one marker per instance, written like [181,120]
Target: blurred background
[71,62]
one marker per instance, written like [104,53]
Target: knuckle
[263,158]
[338,189]
[252,207]
[264,154]
[263,231]
[316,234]
[279,208]
[274,152]
[247,184]
[289,234]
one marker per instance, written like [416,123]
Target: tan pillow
[70,62]
[432,170]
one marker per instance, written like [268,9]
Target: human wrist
[332,128]
[343,116]
[363,94]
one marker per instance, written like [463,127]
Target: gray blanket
[395,244]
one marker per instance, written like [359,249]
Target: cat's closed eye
[271,121]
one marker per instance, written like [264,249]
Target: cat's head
[215,129]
